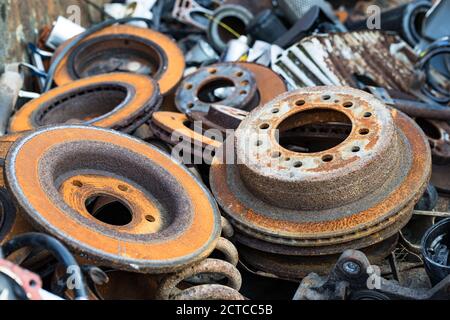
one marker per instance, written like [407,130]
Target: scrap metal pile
[230,149]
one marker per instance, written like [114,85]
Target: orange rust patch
[78,189]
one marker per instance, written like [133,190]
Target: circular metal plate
[122,43]
[368,216]
[204,82]
[44,169]
[120,101]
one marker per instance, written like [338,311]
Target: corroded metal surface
[54,173]
[342,58]
[251,85]
[172,127]
[352,195]
[120,101]
[296,268]
[168,286]
[195,90]
[219,117]
[121,48]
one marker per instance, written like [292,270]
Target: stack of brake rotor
[296,203]
[295,178]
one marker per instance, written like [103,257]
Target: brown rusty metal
[219,117]
[341,58]
[269,84]
[209,292]
[172,127]
[56,174]
[295,268]
[252,84]
[351,195]
[124,48]
[197,91]
[120,101]
[168,289]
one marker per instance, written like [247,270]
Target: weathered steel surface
[120,101]
[72,164]
[352,195]
[21,21]
[339,59]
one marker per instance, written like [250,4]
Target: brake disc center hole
[314,130]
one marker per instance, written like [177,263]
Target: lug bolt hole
[364,131]
[348,104]
[298,164]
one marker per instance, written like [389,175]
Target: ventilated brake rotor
[123,48]
[352,193]
[120,101]
[95,190]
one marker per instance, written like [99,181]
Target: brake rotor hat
[124,48]
[67,179]
[355,192]
[119,101]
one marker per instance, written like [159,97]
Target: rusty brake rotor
[120,101]
[353,194]
[124,48]
[240,85]
[58,174]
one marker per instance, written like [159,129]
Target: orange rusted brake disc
[294,198]
[120,101]
[115,200]
[124,48]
